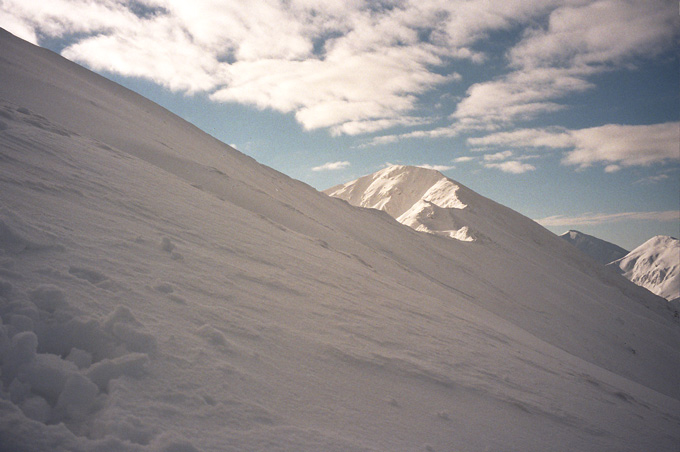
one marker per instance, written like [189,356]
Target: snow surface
[602,251]
[654,265]
[160,291]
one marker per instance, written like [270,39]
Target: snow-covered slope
[654,265]
[602,251]
[160,291]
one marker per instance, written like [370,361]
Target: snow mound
[654,265]
[57,365]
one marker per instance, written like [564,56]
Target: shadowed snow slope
[160,291]
[654,265]
[602,251]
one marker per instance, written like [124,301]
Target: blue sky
[566,111]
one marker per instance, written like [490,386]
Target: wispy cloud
[355,67]
[463,159]
[624,145]
[497,156]
[602,218]
[511,166]
[660,177]
[521,138]
[436,167]
[612,145]
[519,96]
[332,166]
[579,41]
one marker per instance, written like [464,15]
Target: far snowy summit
[654,265]
[421,198]
[428,201]
[602,251]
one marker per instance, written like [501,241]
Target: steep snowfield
[161,292]
[602,251]
[654,265]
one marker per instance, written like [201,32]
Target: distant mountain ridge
[427,201]
[654,265]
[602,251]
[430,202]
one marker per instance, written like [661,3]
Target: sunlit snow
[160,291]
[654,265]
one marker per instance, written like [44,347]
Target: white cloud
[347,66]
[61,17]
[520,95]
[141,57]
[354,67]
[536,138]
[332,166]
[436,167]
[381,141]
[653,179]
[614,145]
[598,33]
[440,132]
[368,126]
[497,156]
[623,145]
[511,166]
[580,40]
[18,26]
[463,159]
[352,93]
[601,218]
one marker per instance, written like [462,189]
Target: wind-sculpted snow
[58,365]
[426,216]
[161,292]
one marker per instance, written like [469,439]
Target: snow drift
[160,291]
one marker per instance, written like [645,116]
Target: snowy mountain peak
[574,234]
[602,251]
[421,198]
[397,188]
[654,265]
[660,241]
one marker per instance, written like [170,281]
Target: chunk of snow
[108,369]
[77,397]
